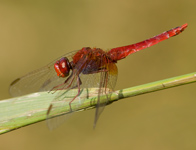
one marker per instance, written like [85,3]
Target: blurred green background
[33,33]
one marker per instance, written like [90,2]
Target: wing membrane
[43,79]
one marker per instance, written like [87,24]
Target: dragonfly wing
[65,92]
[43,79]
[99,82]
[56,114]
[106,87]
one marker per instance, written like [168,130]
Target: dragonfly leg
[56,87]
[50,107]
[78,85]
[80,82]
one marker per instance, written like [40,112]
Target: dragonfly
[85,68]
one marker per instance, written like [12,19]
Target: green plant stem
[25,110]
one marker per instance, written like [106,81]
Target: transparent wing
[65,93]
[107,84]
[103,81]
[61,102]
[68,91]
[43,79]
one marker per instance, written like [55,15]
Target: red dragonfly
[86,68]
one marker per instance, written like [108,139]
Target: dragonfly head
[62,67]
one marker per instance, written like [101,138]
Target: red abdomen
[121,52]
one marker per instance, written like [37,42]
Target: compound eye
[62,67]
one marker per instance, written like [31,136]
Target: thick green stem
[25,110]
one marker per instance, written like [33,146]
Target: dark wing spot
[15,81]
